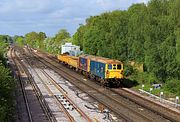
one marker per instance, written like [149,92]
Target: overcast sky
[18,17]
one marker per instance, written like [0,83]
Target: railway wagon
[84,63]
[63,58]
[73,62]
[97,69]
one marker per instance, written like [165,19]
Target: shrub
[173,86]
[128,70]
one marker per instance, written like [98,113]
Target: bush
[7,85]
[2,113]
[173,86]
[128,70]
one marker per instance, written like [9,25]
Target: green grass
[147,80]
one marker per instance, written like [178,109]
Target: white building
[73,50]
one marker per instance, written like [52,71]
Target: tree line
[147,34]
[7,83]
[41,41]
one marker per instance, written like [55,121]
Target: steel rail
[139,102]
[19,69]
[60,89]
[161,114]
[106,95]
[51,93]
[157,111]
[39,95]
[64,93]
[71,78]
[150,109]
[57,100]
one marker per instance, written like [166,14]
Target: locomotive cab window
[119,66]
[109,66]
[114,66]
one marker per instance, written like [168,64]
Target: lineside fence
[161,99]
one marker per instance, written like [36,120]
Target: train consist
[107,71]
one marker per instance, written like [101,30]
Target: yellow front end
[114,71]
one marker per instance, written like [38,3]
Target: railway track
[41,74]
[20,73]
[67,98]
[103,96]
[72,77]
[146,103]
[162,110]
[31,113]
[61,107]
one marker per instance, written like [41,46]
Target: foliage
[59,39]
[173,86]
[49,44]
[7,83]
[147,34]
[78,37]
[61,36]
[4,39]
[144,77]
[19,40]
[6,88]
[128,70]
[35,39]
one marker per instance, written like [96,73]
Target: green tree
[19,40]
[78,37]
[31,38]
[35,39]
[7,83]
[59,39]
[147,34]
[61,36]
[41,37]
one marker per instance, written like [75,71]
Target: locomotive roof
[101,59]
